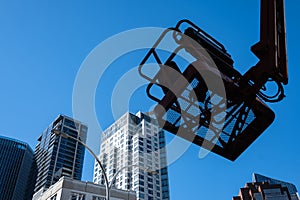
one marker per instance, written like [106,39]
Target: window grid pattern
[16,169]
[57,156]
[134,140]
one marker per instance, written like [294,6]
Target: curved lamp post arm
[64,135]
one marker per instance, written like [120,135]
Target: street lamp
[107,185]
[64,135]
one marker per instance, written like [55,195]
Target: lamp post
[107,185]
[64,135]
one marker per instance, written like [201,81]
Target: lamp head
[59,133]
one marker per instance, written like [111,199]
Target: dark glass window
[70,123]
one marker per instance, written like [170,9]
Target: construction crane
[202,98]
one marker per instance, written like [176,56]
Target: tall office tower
[16,169]
[57,156]
[291,187]
[264,188]
[130,146]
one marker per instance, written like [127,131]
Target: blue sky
[44,43]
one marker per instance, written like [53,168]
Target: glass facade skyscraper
[135,143]
[263,191]
[291,187]
[16,170]
[57,156]
[266,188]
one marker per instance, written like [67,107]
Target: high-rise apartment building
[57,156]
[128,147]
[265,188]
[17,169]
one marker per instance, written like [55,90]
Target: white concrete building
[136,141]
[70,189]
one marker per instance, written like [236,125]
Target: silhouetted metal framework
[226,116]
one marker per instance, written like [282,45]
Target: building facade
[291,187]
[69,189]
[129,148]
[57,156]
[263,191]
[265,188]
[17,169]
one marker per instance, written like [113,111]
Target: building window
[141,189]
[141,143]
[141,148]
[141,196]
[98,198]
[141,177]
[141,183]
[77,196]
[53,197]
[70,123]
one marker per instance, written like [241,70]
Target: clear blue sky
[43,44]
